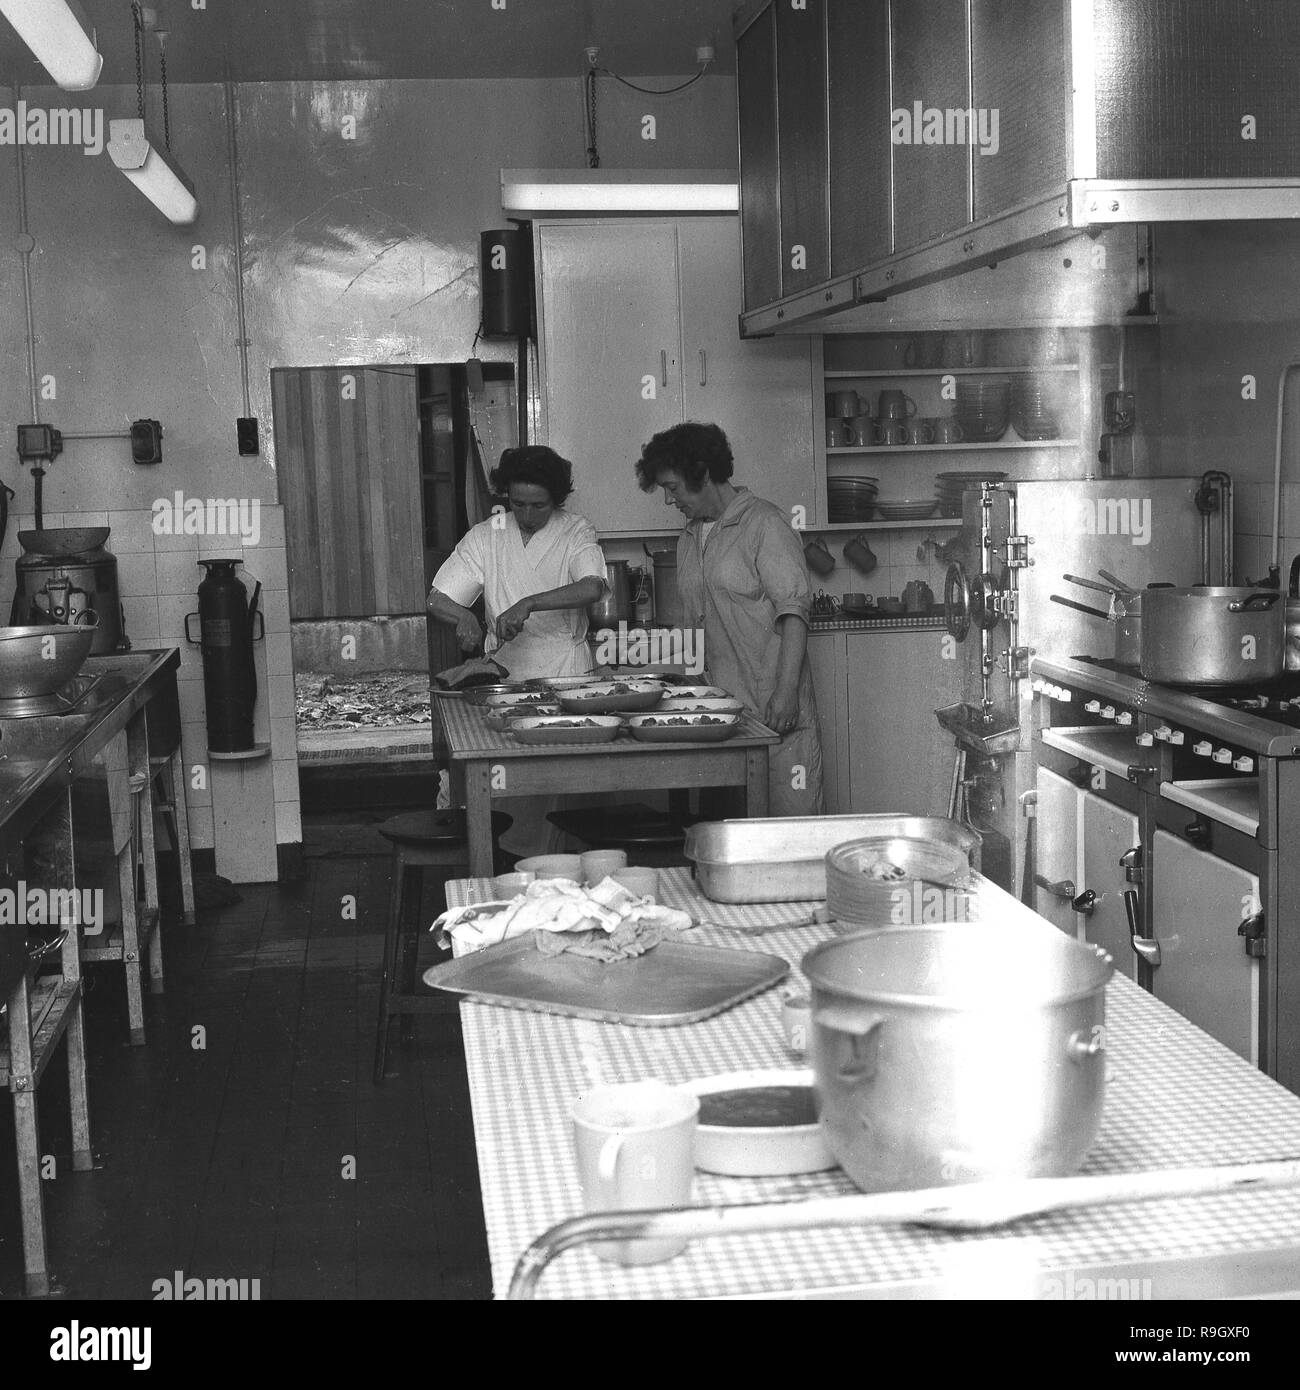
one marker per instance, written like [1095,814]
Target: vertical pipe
[237,225]
[26,245]
[521,390]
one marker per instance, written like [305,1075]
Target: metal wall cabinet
[637,333]
[929,70]
[1109,112]
[860,151]
[801,145]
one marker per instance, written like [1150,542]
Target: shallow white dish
[691,704]
[758,1151]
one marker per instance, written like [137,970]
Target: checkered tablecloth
[1175,1098]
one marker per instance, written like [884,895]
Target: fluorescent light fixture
[540,192]
[57,33]
[152,171]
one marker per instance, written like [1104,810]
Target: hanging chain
[138,19]
[593,157]
[162,58]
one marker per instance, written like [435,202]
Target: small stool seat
[639,829]
[435,827]
[420,840]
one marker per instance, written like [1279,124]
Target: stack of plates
[948,487]
[907,509]
[1031,410]
[983,407]
[873,882]
[852,499]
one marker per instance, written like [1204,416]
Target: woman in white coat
[537,567]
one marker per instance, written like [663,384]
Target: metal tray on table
[670,985]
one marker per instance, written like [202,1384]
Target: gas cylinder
[226,640]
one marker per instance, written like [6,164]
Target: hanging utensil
[1079,607]
[1117,582]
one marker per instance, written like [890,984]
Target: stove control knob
[1064,695]
[1177,737]
[1244,763]
[1092,706]
[1145,740]
[1163,732]
[1202,749]
[1039,685]
[1108,712]
[1124,718]
[1222,755]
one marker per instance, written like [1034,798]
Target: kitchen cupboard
[637,332]
[882,747]
[801,139]
[827,657]
[1057,871]
[1198,902]
[1109,834]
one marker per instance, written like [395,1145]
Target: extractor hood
[1110,113]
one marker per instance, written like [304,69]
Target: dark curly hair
[534,464]
[697,453]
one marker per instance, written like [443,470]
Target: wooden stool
[169,805]
[420,840]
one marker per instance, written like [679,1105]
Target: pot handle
[1256,603]
[861,1026]
[1086,1043]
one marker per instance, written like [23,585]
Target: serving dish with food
[692,704]
[564,728]
[612,697]
[683,728]
[759,1124]
[501,717]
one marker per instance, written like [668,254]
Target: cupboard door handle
[663,367]
[704,368]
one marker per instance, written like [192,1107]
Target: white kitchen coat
[493,561]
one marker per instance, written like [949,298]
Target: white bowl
[758,1150]
[552,866]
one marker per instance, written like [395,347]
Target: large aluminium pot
[958,1052]
[1209,636]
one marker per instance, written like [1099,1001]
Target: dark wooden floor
[247,1140]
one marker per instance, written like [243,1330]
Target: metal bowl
[40,660]
[479,694]
[894,879]
[63,540]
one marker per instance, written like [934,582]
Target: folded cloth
[477,671]
[554,906]
[629,939]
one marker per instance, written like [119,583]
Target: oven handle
[1145,946]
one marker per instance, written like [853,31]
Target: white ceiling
[328,40]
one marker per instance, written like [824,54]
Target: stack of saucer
[948,487]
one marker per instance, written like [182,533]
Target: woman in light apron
[537,568]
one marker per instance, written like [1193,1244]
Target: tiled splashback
[158,578]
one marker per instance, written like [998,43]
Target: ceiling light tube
[152,171]
[538,192]
[57,33]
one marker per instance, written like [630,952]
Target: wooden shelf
[951,448]
[930,523]
[904,372]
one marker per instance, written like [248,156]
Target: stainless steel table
[1175,1098]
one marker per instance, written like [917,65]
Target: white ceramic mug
[635,1146]
[643,882]
[600,863]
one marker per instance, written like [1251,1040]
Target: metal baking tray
[783,859]
[670,985]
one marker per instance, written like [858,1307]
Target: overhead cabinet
[887,145]
[637,333]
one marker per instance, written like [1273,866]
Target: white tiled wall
[1253,529]
[158,577]
[896,563]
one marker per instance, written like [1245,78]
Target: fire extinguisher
[226,638]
